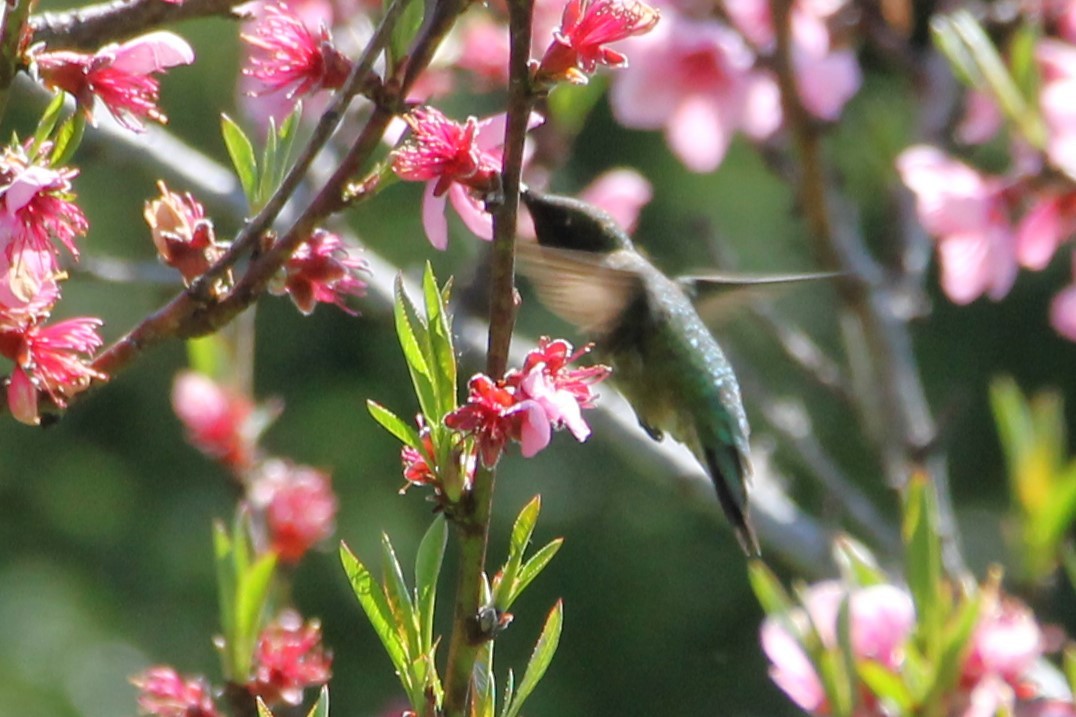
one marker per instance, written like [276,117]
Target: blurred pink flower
[300,507]
[981,119]
[52,360]
[1058,63]
[695,79]
[289,658]
[882,618]
[1006,642]
[323,270]
[29,286]
[289,60]
[218,421]
[182,233]
[968,215]
[1051,220]
[37,204]
[121,76]
[622,193]
[163,692]
[587,26]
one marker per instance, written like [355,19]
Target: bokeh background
[105,518]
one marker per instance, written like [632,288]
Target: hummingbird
[665,361]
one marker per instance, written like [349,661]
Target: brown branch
[88,28]
[907,427]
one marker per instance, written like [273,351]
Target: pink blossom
[290,60]
[289,658]
[1063,312]
[29,286]
[300,507]
[1006,642]
[982,118]
[487,415]
[121,76]
[695,79]
[882,617]
[968,215]
[458,164]
[51,360]
[620,192]
[484,51]
[182,233]
[163,692]
[218,421]
[1051,220]
[323,270]
[1058,63]
[587,26]
[37,204]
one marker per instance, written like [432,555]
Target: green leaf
[67,139]
[768,590]
[269,162]
[509,692]
[923,566]
[543,653]
[530,569]
[571,105]
[949,43]
[886,686]
[415,342]
[399,599]
[226,589]
[49,119]
[376,607]
[847,662]
[443,354]
[1025,72]
[209,355]
[404,32]
[955,641]
[394,425]
[251,598]
[857,565]
[431,553]
[485,685]
[263,710]
[286,141]
[321,707]
[242,153]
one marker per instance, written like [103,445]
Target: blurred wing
[579,287]
[717,295]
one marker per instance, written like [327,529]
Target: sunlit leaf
[49,119]
[241,152]
[321,707]
[443,354]
[404,32]
[394,425]
[923,567]
[543,653]
[415,342]
[431,553]
[67,139]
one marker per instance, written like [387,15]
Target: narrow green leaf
[376,607]
[886,686]
[522,530]
[49,119]
[543,653]
[443,354]
[923,566]
[241,152]
[847,658]
[950,44]
[251,597]
[404,32]
[857,565]
[321,707]
[394,425]
[415,342]
[263,710]
[268,168]
[768,590]
[1025,72]
[226,590]
[955,642]
[431,553]
[485,685]
[509,692]
[399,601]
[531,569]
[67,139]
[286,136]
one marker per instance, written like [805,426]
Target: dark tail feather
[735,507]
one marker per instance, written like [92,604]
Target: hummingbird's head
[569,223]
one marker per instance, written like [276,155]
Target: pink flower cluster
[163,692]
[120,76]
[322,270]
[37,212]
[529,403]
[993,675]
[296,503]
[289,658]
[701,81]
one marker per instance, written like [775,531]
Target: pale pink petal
[982,119]
[535,431]
[974,264]
[791,670]
[951,196]
[761,107]
[699,134]
[1039,233]
[434,221]
[1063,312]
[22,398]
[491,130]
[622,193]
[153,52]
[753,19]
[882,619]
[827,82]
[644,94]
[27,184]
[471,211]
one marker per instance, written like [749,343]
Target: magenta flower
[288,659]
[882,618]
[163,692]
[289,59]
[587,26]
[695,79]
[219,422]
[968,214]
[182,233]
[299,504]
[488,416]
[323,270]
[50,360]
[457,163]
[121,76]
[36,204]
